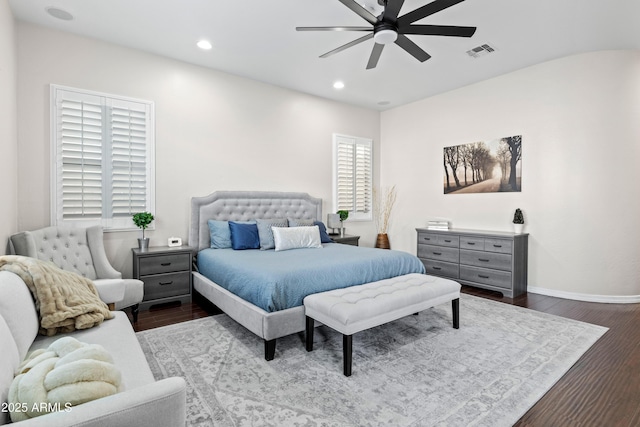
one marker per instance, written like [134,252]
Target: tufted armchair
[81,250]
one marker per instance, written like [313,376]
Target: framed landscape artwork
[484,167]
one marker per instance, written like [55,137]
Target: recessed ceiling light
[59,13]
[384,103]
[204,44]
[338,85]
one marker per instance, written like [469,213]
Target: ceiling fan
[388,27]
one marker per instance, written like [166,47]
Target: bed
[263,290]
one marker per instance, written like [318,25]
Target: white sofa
[143,401]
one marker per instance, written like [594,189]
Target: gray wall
[214,131]
[578,117]
[8,126]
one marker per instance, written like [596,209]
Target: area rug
[416,371]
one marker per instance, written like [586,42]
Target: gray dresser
[484,259]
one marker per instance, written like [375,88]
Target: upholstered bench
[357,308]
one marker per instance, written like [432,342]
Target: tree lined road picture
[484,167]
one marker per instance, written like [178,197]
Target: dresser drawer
[498,245]
[474,243]
[501,279]
[427,238]
[164,264]
[486,259]
[166,285]
[440,253]
[438,239]
[439,268]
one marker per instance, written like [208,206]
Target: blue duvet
[279,280]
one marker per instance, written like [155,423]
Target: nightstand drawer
[166,285]
[486,259]
[439,253]
[501,279]
[164,264]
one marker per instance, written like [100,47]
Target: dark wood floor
[601,389]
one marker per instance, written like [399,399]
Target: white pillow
[296,237]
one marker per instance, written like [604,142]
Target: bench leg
[309,333]
[347,348]
[455,306]
[269,349]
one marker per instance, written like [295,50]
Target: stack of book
[437,225]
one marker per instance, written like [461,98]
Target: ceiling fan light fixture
[385,36]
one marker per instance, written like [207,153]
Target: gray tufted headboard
[247,205]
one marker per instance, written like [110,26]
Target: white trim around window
[103,155]
[353,176]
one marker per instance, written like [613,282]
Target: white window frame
[107,102]
[367,214]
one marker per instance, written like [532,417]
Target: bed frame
[242,206]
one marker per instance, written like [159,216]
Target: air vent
[481,50]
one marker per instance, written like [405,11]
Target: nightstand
[346,240]
[166,273]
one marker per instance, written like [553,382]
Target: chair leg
[134,311]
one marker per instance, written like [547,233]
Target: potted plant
[382,206]
[518,221]
[142,221]
[343,217]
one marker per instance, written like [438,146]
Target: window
[103,154]
[352,176]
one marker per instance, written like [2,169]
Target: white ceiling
[257,39]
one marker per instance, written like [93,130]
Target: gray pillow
[293,222]
[265,233]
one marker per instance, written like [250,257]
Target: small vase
[143,244]
[341,231]
[517,228]
[382,241]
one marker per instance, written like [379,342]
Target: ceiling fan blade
[392,9]
[412,48]
[348,45]
[364,13]
[426,10]
[375,56]
[438,30]
[334,28]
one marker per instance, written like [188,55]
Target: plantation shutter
[103,145]
[128,158]
[353,176]
[80,123]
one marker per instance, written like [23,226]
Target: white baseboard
[610,299]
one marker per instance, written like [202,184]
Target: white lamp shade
[333,220]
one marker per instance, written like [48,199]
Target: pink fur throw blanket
[65,301]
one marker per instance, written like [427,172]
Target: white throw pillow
[296,237]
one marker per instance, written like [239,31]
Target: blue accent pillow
[324,236]
[219,234]
[244,235]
